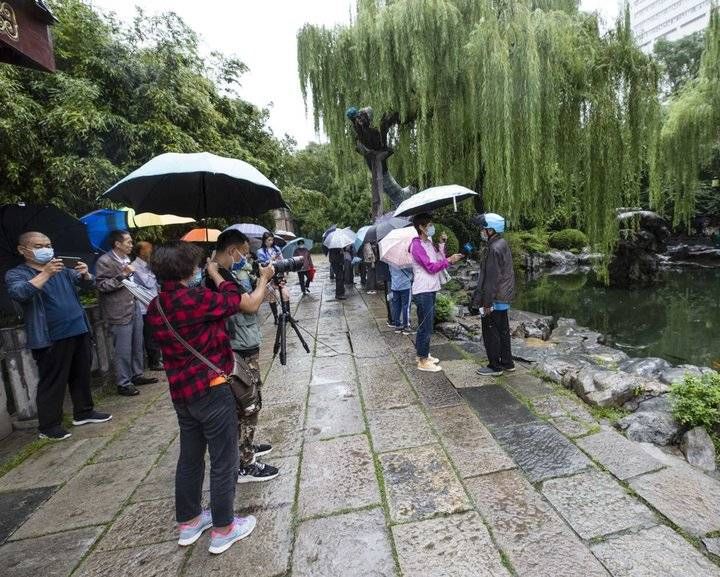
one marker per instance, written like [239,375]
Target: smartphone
[70,261]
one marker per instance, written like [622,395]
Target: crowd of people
[199,323]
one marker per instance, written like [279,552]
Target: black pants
[207,423]
[151,349]
[496,337]
[339,270]
[65,362]
[304,279]
[349,273]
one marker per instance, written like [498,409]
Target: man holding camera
[122,312]
[493,295]
[231,253]
[57,331]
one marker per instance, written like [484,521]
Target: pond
[678,320]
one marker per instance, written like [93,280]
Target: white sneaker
[428,366]
[242,527]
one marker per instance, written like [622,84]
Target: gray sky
[262,34]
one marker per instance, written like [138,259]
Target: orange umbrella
[202,235]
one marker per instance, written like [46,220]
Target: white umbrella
[395,247]
[433,198]
[286,234]
[340,238]
[249,229]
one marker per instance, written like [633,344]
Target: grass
[613,414]
[26,452]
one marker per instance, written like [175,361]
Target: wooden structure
[25,34]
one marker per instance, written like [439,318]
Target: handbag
[311,274]
[444,277]
[243,381]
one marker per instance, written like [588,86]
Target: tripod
[281,335]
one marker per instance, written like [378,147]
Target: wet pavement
[385,471]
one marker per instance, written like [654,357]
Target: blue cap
[351,112]
[490,220]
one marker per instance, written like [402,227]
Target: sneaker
[257,472]
[191,533]
[143,380]
[340,298]
[241,528]
[488,372]
[428,366]
[127,390]
[398,330]
[262,449]
[371,293]
[430,358]
[56,433]
[92,417]
[390,325]
[408,331]
[509,369]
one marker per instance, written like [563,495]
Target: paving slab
[447,352]
[386,373]
[160,481]
[462,374]
[17,506]
[526,528]
[623,458]
[573,428]
[332,344]
[279,491]
[92,497]
[470,445]
[420,484]
[149,436]
[265,553]
[541,451]
[380,394]
[350,545]
[290,390]
[161,560]
[594,504]
[527,385]
[454,546]
[53,465]
[399,428]
[51,556]
[496,406]
[141,524]
[434,389]
[336,475]
[655,552]
[326,370]
[333,410]
[687,497]
[281,426]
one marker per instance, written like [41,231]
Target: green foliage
[568,239]
[523,100]
[444,308]
[696,401]
[452,246]
[680,60]
[526,242]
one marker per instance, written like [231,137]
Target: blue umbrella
[290,247]
[361,236]
[198,185]
[100,223]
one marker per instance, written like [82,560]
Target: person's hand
[443,238]
[212,268]
[128,270]
[82,269]
[54,267]
[267,272]
[455,258]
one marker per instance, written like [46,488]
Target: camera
[283,266]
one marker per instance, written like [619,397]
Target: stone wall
[19,374]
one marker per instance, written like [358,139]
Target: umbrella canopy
[290,247]
[202,235]
[286,234]
[100,223]
[197,185]
[433,198]
[361,237]
[340,238]
[249,229]
[151,219]
[395,247]
[385,226]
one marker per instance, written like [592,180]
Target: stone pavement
[385,471]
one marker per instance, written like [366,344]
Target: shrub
[526,242]
[444,308]
[453,245]
[696,401]
[568,239]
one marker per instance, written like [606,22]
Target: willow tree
[525,101]
[690,137]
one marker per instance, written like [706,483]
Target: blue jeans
[400,302]
[425,303]
[209,423]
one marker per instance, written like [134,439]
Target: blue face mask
[196,280]
[239,265]
[430,231]
[43,255]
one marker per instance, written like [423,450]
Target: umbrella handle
[455,203]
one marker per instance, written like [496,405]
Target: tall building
[670,19]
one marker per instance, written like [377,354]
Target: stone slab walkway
[385,471]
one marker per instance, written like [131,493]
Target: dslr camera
[282,267]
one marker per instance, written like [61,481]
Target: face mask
[484,236]
[43,255]
[196,280]
[430,231]
[240,264]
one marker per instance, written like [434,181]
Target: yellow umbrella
[151,219]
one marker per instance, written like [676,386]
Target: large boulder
[657,427]
[606,388]
[452,330]
[698,448]
[648,367]
[562,369]
[677,374]
[530,325]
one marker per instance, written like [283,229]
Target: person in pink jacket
[428,263]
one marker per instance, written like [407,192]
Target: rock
[453,331]
[698,449]
[649,367]
[561,259]
[605,388]
[713,545]
[534,332]
[677,375]
[660,403]
[562,368]
[657,427]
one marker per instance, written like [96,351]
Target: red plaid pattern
[198,315]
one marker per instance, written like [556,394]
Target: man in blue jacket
[57,331]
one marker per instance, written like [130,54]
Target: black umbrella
[67,233]
[199,185]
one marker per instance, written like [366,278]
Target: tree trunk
[376,159]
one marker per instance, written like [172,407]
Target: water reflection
[678,320]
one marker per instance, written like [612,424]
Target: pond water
[678,320]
